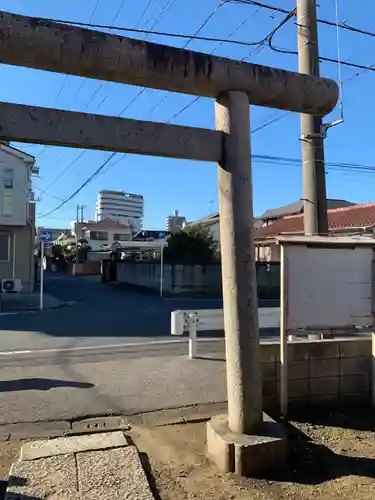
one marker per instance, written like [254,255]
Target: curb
[35,311]
[108,423]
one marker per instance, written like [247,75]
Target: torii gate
[233,440]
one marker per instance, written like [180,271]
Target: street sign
[45,236]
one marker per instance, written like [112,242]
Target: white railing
[193,321]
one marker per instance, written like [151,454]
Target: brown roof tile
[356,216]
[106,224]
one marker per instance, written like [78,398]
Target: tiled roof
[106,224]
[297,207]
[356,216]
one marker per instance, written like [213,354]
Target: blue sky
[191,186]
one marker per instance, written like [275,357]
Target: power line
[273,120]
[83,185]
[87,104]
[161,33]
[260,44]
[343,25]
[67,76]
[168,3]
[321,58]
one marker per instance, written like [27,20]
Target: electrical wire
[85,106]
[261,44]
[168,3]
[83,185]
[266,159]
[273,120]
[343,25]
[44,149]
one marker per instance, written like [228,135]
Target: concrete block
[38,429]
[269,371]
[323,349]
[355,366]
[319,368]
[99,424]
[355,384]
[298,388]
[269,390]
[270,352]
[298,369]
[353,348]
[72,444]
[325,386]
[112,474]
[53,477]
[298,351]
[245,454]
[323,398]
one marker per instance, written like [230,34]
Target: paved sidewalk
[94,466]
[20,302]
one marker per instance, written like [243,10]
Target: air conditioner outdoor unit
[9,285]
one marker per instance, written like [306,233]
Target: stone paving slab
[72,444]
[112,474]
[52,478]
[83,473]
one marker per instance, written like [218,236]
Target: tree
[192,245]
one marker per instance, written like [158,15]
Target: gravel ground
[332,457]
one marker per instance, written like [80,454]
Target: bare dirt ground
[9,452]
[332,456]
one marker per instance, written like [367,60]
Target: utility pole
[77,213]
[314,182]
[82,207]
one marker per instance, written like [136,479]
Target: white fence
[193,321]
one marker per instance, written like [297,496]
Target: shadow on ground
[103,310]
[311,461]
[15,481]
[360,417]
[40,384]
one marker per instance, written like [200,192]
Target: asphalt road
[110,352]
[102,315]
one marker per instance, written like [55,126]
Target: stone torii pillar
[242,441]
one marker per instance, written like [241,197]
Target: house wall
[319,371]
[14,201]
[21,258]
[97,244]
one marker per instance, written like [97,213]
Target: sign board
[328,288]
[45,236]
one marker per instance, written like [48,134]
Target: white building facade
[125,208]
[174,223]
[17,217]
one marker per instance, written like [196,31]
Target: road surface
[102,315]
[110,352]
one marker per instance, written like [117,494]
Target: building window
[4,247]
[8,178]
[99,235]
[121,237]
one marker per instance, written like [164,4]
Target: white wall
[328,287]
[14,201]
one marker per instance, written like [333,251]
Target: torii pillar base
[243,454]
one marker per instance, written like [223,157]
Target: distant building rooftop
[350,217]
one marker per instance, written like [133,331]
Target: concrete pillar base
[244,454]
